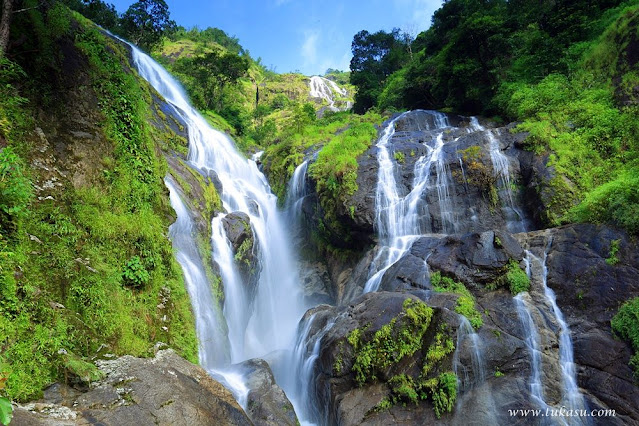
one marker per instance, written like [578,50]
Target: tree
[375,57]
[5,25]
[145,22]
[212,72]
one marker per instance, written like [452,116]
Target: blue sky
[300,35]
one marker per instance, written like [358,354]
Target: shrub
[626,325]
[135,274]
[516,278]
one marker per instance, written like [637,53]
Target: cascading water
[302,363]
[268,322]
[208,316]
[214,349]
[324,88]
[533,345]
[399,218]
[468,338]
[571,396]
[572,399]
[296,192]
[501,169]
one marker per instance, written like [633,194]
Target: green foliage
[516,278]
[145,22]
[375,57]
[15,191]
[626,325]
[445,393]
[612,255]
[401,337]
[62,286]
[135,274]
[399,157]
[5,411]
[209,74]
[465,302]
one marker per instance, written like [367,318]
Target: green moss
[512,277]
[399,157]
[444,393]
[517,278]
[465,302]
[612,258]
[401,337]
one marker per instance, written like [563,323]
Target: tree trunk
[5,25]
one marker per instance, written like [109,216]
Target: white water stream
[268,322]
[326,89]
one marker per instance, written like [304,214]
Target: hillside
[446,233]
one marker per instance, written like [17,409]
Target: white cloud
[309,47]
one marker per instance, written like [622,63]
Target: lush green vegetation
[85,266]
[512,277]
[465,302]
[626,324]
[402,337]
[561,68]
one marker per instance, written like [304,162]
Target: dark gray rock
[267,403]
[474,259]
[164,390]
[338,397]
[237,226]
[590,291]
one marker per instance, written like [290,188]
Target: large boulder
[164,390]
[399,329]
[267,404]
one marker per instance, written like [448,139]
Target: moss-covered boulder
[385,355]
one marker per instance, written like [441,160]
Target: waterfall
[533,346]
[208,316]
[501,170]
[572,399]
[324,88]
[300,385]
[296,192]
[213,350]
[267,322]
[399,219]
[468,338]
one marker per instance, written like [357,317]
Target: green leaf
[5,411]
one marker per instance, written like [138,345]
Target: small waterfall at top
[571,397]
[267,322]
[324,88]
[501,169]
[296,192]
[399,218]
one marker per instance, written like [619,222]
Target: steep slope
[87,267]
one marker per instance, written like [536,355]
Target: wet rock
[237,226]
[477,258]
[589,292]
[316,282]
[339,397]
[165,390]
[267,403]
